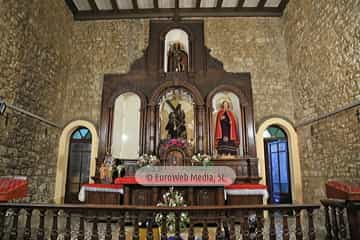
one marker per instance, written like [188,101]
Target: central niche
[176,115]
[176,55]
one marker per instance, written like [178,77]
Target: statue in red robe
[226,133]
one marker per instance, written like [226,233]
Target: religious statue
[226,133]
[176,124]
[177,58]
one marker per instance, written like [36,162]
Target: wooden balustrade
[342,219]
[209,222]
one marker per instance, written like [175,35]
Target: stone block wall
[323,40]
[33,74]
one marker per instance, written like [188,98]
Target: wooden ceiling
[127,9]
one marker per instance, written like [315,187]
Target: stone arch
[294,158]
[63,156]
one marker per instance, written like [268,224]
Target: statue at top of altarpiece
[177,58]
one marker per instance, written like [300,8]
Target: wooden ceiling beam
[283,5]
[156,4]
[181,12]
[240,3]
[219,3]
[176,4]
[72,6]
[135,4]
[93,5]
[198,3]
[261,4]
[114,5]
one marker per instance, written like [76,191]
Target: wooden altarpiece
[205,77]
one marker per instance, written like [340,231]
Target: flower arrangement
[203,159]
[147,160]
[172,199]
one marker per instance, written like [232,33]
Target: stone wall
[35,38]
[323,40]
[255,45]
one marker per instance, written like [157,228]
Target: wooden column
[200,117]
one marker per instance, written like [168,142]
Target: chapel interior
[94,93]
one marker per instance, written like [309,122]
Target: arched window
[176,55]
[277,164]
[126,127]
[79,163]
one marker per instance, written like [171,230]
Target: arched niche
[125,140]
[244,116]
[176,39]
[234,107]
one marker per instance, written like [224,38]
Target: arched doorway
[277,165]
[78,164]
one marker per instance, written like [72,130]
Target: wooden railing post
[164,227]
[149,232]
[335,229]
[245,226]
[108,233]
[41,229]
[94,231]
[327,222]
[122,227]
[54,229]
[13,233]
[81,226]
[136,229]
[232,229]
[205,232]
[343,233]
[259,225]
[286,235]
[311,224]
[191,235]
[2,222]
[272,232]
[298,227]
[67,234]
[27,232]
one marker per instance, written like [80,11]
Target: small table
[101,193]
[245,194]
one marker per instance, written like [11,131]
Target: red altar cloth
[12,188]
[246,189]
[335,189]
[126,180]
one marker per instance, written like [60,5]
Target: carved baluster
[81,227]
[259,225]
[232,229]
[13,233]
[41,232]
[108,228]
[218,230]
[205,232]
[149,232]
[191,232]
[122,227]
[163,227]
[311,224]
[27,232]
[94,231]
[245,227]
[286,234]
[136,229]
[298,228]
[177,225]
[334,222]
[54,229]
[342,223]
[67,234]
[327,222]
[272,231]
[2,222]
